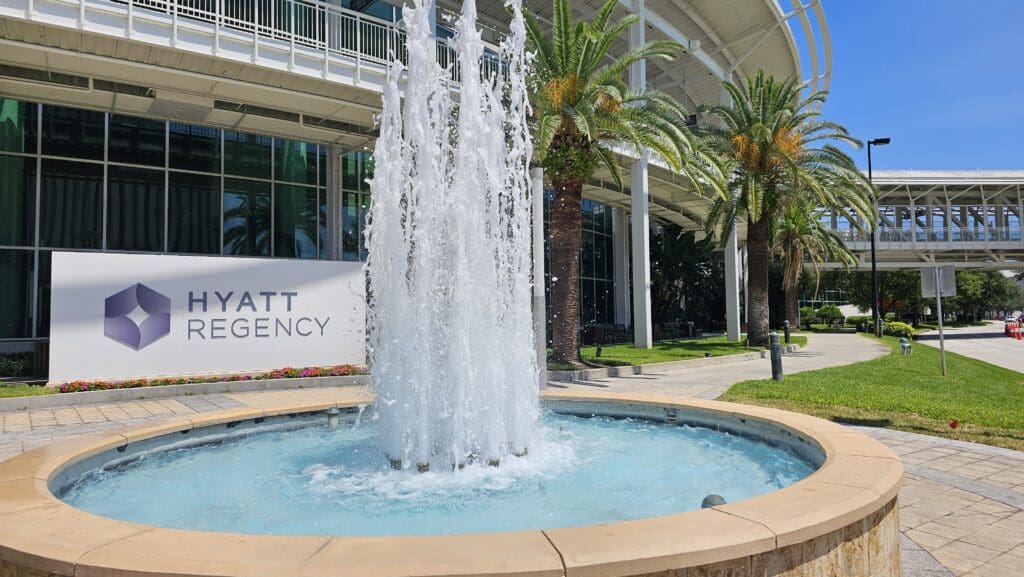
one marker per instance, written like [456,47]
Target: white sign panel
[116,316]
[947,280]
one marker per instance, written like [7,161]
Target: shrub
[830,315]
[898,329]
[807,317]
[285,373]
[15,364]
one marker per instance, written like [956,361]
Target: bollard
[905,347]
[776,351]
[785,326]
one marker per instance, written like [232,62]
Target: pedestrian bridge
[965,218]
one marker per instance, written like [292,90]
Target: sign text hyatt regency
[274,324]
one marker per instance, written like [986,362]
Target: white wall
[260,314]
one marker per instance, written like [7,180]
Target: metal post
[786,328]
[776,354]
[938,309]
[876,317]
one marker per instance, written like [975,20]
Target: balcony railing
[332,30]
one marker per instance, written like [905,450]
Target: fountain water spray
[451,341]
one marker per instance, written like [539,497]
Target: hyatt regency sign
[116,316]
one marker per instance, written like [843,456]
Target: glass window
[587,254]
[18,126]
[295,161]
[322,165]
[353,219]
[588,301]
[194,147]
[193,213]
[135,209]
[355,169]
[246,154]
[602,248]
[43,318]
[295,214]
[325,234]
[136,140]
[72,132]
[71,204]
[246,217]
[17,200]
[16,288]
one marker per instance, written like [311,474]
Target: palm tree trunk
[792,307]
[757,262]
[564,246]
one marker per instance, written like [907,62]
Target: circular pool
[841,518]
[312,479]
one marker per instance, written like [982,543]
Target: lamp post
[874,231]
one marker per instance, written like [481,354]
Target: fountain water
[451,341]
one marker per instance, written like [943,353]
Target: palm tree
[801,234]
[582,106]
[778,150]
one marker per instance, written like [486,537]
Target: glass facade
[597,275]
[73,179]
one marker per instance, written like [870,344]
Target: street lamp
[874,231]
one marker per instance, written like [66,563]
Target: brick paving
[961,510]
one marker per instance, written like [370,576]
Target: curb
[57,400]
[590,374]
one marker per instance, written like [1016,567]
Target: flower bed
[285,373]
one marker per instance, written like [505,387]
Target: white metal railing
[332,30]
[940,234]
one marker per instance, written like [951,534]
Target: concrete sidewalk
[823,350]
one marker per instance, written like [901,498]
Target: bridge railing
[956,234]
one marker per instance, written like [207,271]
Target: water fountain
[451,340]
[599,483]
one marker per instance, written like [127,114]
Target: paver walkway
[986,343]
[961,510]
[822,350]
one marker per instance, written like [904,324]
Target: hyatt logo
[118,326]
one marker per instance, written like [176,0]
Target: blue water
[322,481]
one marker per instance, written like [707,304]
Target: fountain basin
[842,518]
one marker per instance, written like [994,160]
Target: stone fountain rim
[858,477]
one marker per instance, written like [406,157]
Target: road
[986,343]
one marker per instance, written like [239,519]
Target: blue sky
[943,78]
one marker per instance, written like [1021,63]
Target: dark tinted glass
[71,204]
[324,220]
[194,147]
[246,154]
[43,319]
[295,221]
[246,217]
[351,226]
[587,254]
[17,200]
[18,126]
[193,213]
[136,140]
[135,209]
[602,254]
[295,161]
[72,132]
[353,166]
[16,288]
[322,165]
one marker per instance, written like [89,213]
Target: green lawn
[15,390]
[922,327]
[905,393]
[666,351]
